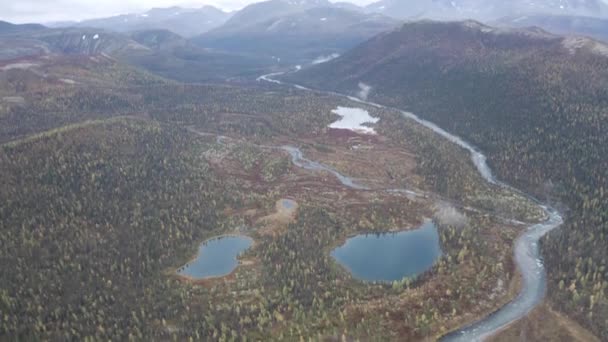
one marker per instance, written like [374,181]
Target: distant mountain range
[186,22]
[486,9]
[159,51]
[276,33]
[281,31]
[295,31]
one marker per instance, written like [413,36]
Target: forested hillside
[537,104]
[108,210]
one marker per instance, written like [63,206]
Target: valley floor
[99,214]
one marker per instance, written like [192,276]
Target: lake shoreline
[176,271]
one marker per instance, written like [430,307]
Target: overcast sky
[40,11]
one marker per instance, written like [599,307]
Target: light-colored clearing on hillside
[573,44]
[22,66]
[353,120]
[275,224]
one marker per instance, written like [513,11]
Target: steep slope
[536,103]
[485,10]
[300,36]
[187,22]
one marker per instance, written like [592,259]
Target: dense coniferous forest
[87,229]
[103,203]
[92,232]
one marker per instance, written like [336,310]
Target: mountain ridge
[186,22]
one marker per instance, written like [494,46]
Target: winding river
[526,254]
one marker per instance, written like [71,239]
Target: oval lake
[216,257]
[390,256]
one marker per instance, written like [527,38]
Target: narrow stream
[526,254]
[298,159]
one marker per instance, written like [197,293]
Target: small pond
[216,257]
[288,204]
[390,256]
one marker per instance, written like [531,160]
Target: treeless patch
[276,223]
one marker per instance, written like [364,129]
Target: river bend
[527,253]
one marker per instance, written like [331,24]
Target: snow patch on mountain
[325,59]
[21,66]
[275,24]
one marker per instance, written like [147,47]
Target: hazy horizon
[47,11]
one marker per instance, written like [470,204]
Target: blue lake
[216,257]
[390,256]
